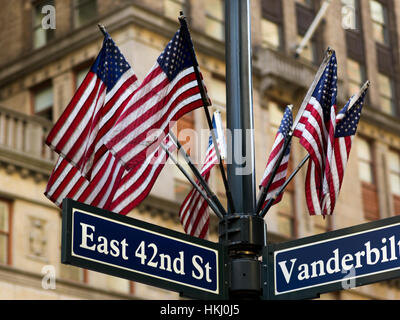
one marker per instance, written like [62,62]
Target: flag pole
[264,191]
[206,103]
[195,185]
[354,99]
[272,200]
[102,29]
[197,173]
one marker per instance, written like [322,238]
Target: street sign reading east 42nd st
[121,246]
[333,261]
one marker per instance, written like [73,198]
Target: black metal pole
[242,230]
[206,103]
[198,175]
[194,184]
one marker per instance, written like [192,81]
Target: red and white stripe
[154,105]
[136,184]
[280,176]
[338,152]
[194,214]
[313,134]
[78,135]
[66,181]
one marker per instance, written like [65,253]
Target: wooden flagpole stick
[194,184]
[206,103]
[264,191]
[197,173]
[354,99]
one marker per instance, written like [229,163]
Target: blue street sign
[335,260]
[125,247]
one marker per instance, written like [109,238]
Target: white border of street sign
[311,291]
[69,256]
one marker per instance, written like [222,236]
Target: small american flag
[277,149]
[78,135]
[312,129]
[168,92]
[341,135]
[194,215]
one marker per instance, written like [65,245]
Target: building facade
[47,48]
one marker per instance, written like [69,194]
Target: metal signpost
[241,265]
[124,247]
[332,261]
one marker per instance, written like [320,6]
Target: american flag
[341,135]
[78,135]
[136,184]
[168,92]
[312,129]
[277,149]
[66,181]
[112,187]
[193,214]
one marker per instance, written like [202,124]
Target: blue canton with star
[348,125]
[176,56]
[286,125]
[326,90]
[110,64]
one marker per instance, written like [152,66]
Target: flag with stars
[312,130]
[193,214]
[277,149]
[341,135]
[168,92]
[78,135]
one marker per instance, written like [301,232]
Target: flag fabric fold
[313,132]
[341,135]
[277,149]
[193,214]
[78,135]
[168,92]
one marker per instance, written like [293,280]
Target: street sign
[121,246]
[332,261]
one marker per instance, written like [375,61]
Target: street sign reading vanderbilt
[333,261]
[121,246]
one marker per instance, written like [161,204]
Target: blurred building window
[84,11]
[379,21]
[5,218]
[309,52]
[350,14]
[271,34]
[394,178]
[356,75]
[215,21]
[308,3]
[173,7]
[41,35]
[43,100]
[386,91]
[394,171]
[367,177]
[285,208]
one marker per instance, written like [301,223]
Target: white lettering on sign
[338,263]
[101,244]
[148,255]
[197,263]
